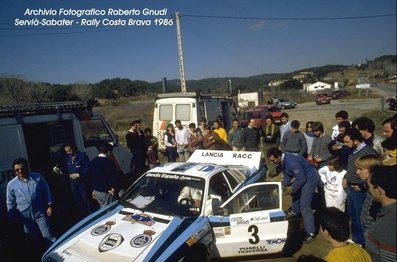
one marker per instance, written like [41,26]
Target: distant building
[248,100]
[302,75]
[318,87]
[276,82]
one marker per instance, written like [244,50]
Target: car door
[252,223]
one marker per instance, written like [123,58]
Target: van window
[94,131]
[165,112]
[182,112]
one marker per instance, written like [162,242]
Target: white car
[210,207]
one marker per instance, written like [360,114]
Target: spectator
[203,122]
[336,145]
[355,187]
[285,125]
[29,202]
[320,153]
[103,177]
[234,136]
[152,157]
[195,140]
[250,137]
[381,240]
[334,228]
[77,164]
[170,143]
[367,127]
[389,146]
[211,140]
[340,116]
[331,176]
[271,138]
[370,208]
[389,126]
[219,118]
[182,143]
[220,131]
[136,142]
[151,139]
[294,141]
[309,136]
[306,179]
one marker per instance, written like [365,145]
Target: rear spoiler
[250,159]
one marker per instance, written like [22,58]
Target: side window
[255,198]
[219,188]
[165,112]
[182,112]
[234,177]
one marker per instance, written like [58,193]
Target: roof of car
[203,163]
[192,169]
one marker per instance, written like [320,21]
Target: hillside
[15,90]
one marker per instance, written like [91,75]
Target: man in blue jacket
[306,178]
[77,164]
[29,202]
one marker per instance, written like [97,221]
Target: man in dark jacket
[306,178]
[136,142]
[250,137]
[103,176]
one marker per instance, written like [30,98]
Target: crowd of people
[352,170]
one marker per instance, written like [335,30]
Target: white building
[318,87]
[248,99]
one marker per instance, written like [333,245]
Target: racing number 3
[254,230]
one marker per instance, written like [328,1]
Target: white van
[188,107]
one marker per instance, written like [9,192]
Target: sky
[224,38]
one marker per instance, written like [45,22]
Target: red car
[273,110]
[323,99]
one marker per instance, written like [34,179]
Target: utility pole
[180,53]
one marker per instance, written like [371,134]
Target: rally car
[212,206]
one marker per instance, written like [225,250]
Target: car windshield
[166,194]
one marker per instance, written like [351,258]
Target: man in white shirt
[182,141]
[340,116]
[285,126]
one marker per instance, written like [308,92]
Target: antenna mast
[180,53]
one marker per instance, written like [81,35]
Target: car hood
[128,235]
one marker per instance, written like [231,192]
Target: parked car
[229,214]
[391,101]
[336,94]
[283,103]
[258,114]
[274,111]
[323,98]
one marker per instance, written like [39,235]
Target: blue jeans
[355,201]
[171,154]
[301,203]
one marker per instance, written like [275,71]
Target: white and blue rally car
[212,206]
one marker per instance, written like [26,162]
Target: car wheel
[282,107]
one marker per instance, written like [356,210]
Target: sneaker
[309,238]
[289,214]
